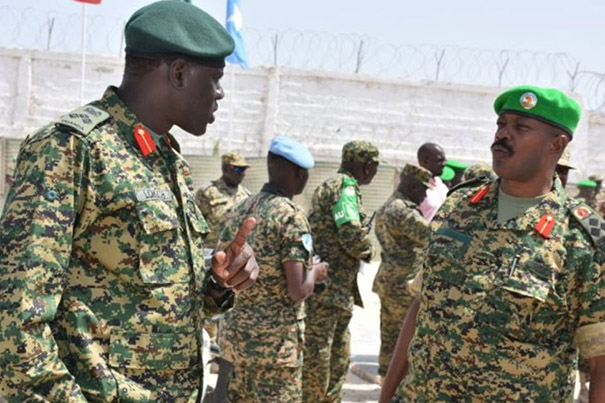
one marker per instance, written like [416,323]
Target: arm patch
[346,208]
[591,222]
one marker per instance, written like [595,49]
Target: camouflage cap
[423,175]
[234,159]
[565,160]
[596,178]
[479,170]
[360,151]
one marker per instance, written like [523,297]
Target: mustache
[502,143]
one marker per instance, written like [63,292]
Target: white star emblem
[236,18]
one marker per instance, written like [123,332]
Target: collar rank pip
[545,225]
[144,140]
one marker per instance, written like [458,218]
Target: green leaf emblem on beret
[528,100]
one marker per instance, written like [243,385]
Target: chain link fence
[348,53]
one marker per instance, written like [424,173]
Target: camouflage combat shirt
[342,245]
[506,307]
[403,234]
[266,327]
[101,265]
[215,202]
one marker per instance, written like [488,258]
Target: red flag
[90,1]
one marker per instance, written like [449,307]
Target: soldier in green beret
[342,240]
[103,283]
[459,168]
[403,234]
[587,190]
[512,286]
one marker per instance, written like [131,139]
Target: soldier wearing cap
[217,199]
[512,285]
[342,240]
[563,167]
[432,158]
[262,336]
[103,285]
[403,234]
[477,171]
[598,200]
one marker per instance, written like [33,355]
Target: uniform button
[52,195]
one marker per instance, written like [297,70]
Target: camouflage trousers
[262,383]
[392,314]
[326,352]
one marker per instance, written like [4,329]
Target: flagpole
[83,58]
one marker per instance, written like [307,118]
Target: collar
[553,205]
[274,189]
[128,125]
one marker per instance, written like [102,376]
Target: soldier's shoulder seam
[473,183]
[590,221]
[83,120]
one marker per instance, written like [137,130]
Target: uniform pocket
[161,253]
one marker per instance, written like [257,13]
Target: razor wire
[30,28]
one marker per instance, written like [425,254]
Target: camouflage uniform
[263,334]
[329,313]
[506,307]
[101,266]
[215,202]
[403,233]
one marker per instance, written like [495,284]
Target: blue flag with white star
[234,25]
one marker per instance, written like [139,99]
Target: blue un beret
[292,150]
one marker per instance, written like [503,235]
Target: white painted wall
[323,110]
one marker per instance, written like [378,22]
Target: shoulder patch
[591,222]
[83,119]
[481,180]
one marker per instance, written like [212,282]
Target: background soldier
[103,287]
[342,240]
[477,171]
[403,234]
[459,169]
[563,167]
[263,335]
[432,158]
[586,191]
[513,280]
[598,201]
[216,200]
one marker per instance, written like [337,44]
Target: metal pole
[83,59]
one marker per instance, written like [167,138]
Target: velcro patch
[592,223]
[84,119]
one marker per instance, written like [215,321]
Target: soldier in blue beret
[103,284]
[262,336]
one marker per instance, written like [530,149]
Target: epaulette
[83,119]
[480,180]
[592,223]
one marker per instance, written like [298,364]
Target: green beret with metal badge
[169,27]
[548,105]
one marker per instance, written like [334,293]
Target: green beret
[447,174]
[360,151]
[456,165]
[177,28]
[587,184]
[548,105]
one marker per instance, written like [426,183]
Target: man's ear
[176,73]
[559,143]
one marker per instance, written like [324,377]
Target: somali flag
[234,25]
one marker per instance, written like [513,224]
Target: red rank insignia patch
[144,140]
[480,194]
[545,225]
[582,212]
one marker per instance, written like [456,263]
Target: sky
[552,26]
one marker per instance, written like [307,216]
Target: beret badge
[528,100]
